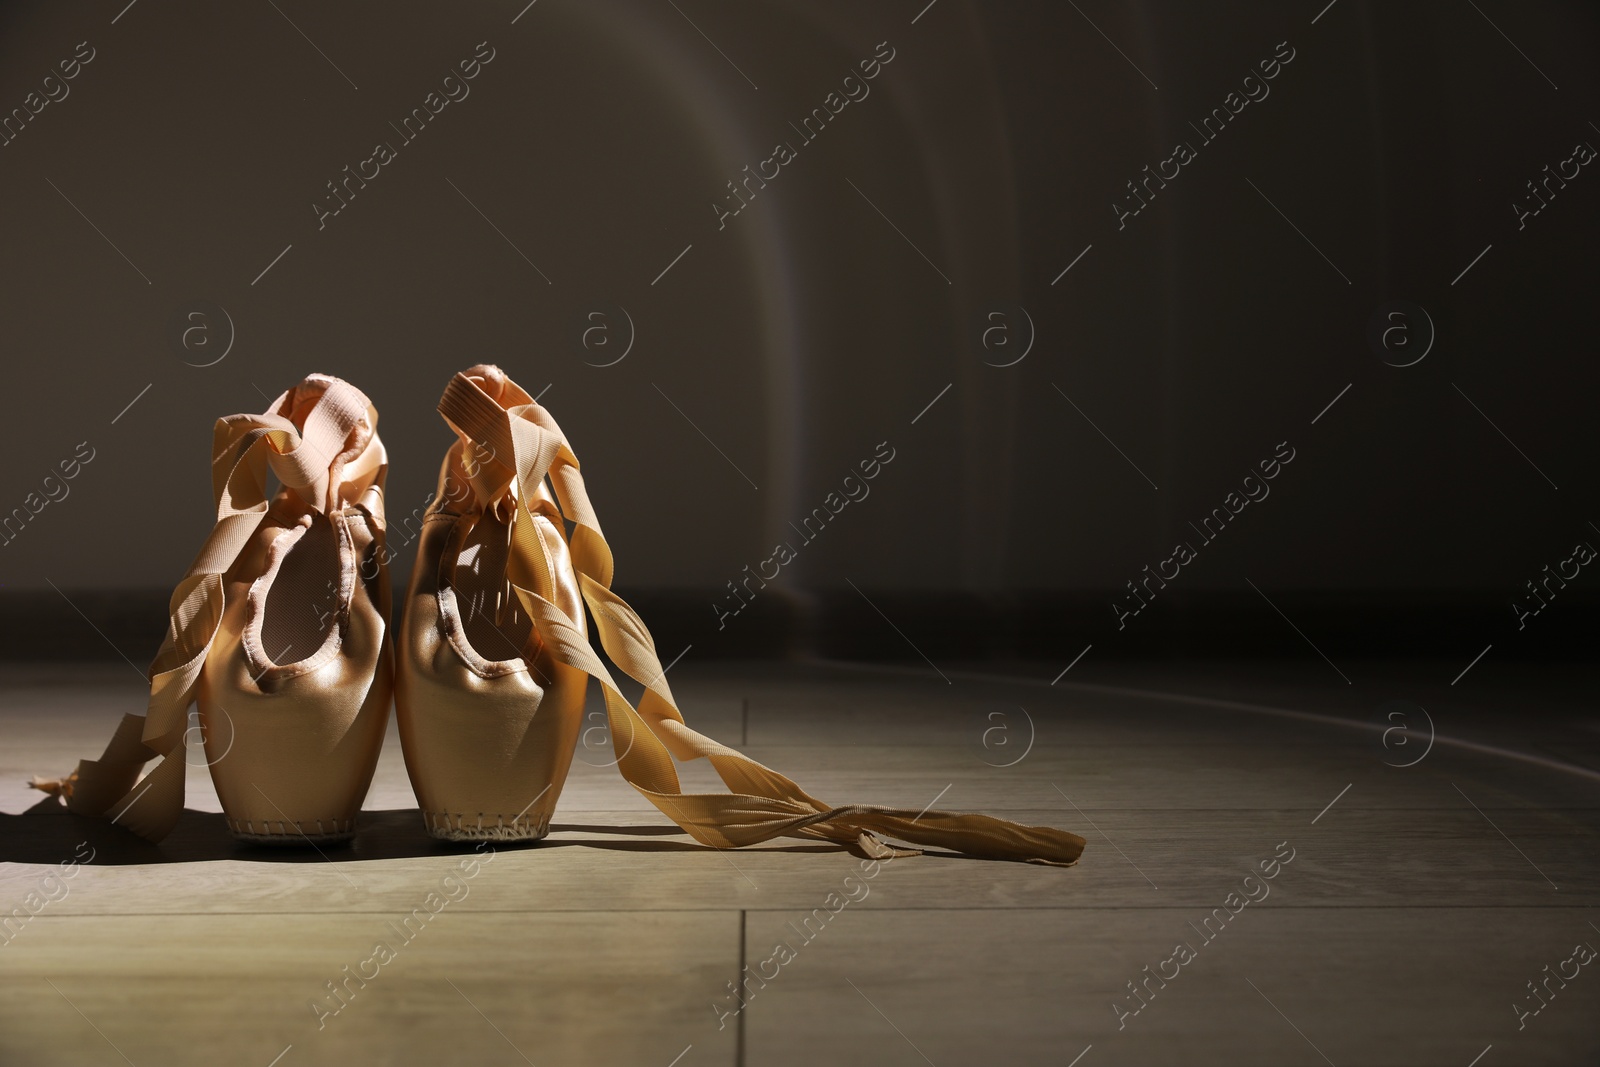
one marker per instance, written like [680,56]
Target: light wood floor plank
[960,985]
[238,989]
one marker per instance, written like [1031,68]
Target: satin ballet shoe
[495,657]
[488,715]
[279,632]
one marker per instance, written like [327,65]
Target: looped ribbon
[510,444]
[324,469]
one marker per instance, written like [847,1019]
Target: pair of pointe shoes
[279,632]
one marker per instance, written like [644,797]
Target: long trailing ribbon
[313,462]
[511,444]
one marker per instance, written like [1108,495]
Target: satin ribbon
[315,464]
[511,444]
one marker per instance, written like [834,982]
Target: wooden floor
[1419,903]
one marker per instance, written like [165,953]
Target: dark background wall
[777,351]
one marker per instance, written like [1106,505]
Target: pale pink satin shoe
[279,633]
[488,716]
[495,656]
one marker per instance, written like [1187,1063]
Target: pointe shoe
[279,633]
[488,716]
[495,657]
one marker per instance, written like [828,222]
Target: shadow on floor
[48,833]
